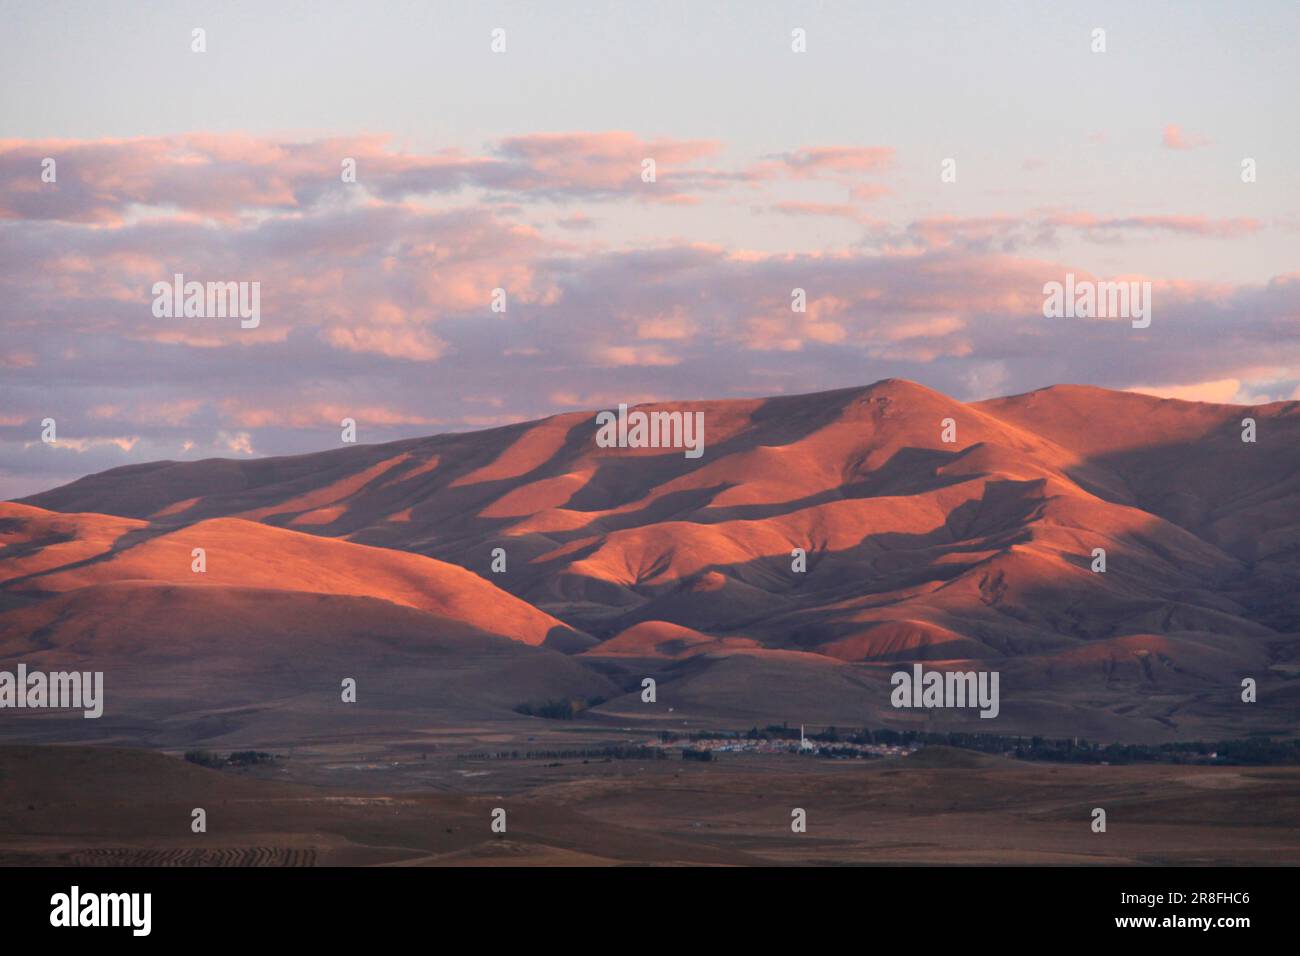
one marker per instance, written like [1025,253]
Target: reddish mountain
[916,548]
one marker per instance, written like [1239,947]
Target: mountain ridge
[916,548]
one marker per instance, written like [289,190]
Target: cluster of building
[765,745]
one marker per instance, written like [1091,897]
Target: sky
[523,171]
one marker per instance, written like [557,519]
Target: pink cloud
[1174,138]
[632,355]
[869,192]
[222,176]
[17,358]
[380,302]
[598,162]
[318,414]
[818,161]
[1219,391]
[673,325]
[417,345]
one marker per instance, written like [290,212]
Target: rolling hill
[623,562]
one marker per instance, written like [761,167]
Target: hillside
[916,548]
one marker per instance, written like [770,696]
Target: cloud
[82,445]
[1219,391]
[416,345]
[1231,228]
[376,304]
[1010,233]
[1174,138]
[820,161]
[317,414]
[17,359]
[225,177]
[674,324]
[239,443]
[605,164]
[634,355]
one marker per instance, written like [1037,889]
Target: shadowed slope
[189,664]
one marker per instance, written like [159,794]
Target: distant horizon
[327,446]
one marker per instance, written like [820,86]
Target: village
[766,743]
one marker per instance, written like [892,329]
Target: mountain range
[820,542]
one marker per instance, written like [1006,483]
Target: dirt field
[101,806]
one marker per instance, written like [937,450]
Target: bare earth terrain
[945,807]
